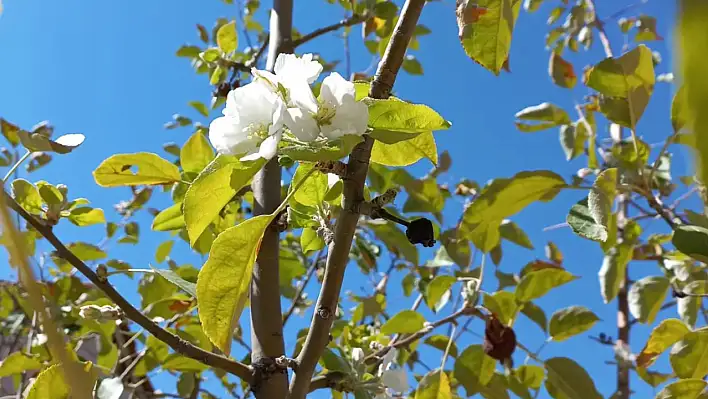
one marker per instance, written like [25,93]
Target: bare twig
[176,343]
[353,196]
[353,20]
[301,288]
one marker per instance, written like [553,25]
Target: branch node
[280,222]
[284,362]
[338,168]
[263,368]
[324,313]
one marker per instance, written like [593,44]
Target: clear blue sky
[108,70]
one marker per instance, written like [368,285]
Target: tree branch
[353,194]
[178,344]
[353,20]
[266,314]
[301,288]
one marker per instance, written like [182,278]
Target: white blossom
[251,125]
[340,112]
[357,355]
[395,380]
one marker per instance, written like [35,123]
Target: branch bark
[353,194]
[266,314]
[178,344]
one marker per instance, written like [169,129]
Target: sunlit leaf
[612,272]
[571,321]
[196,153]
[403,322]
[691,388]
[582,223]
[404,153]
[474,368]
[567,379]
[435,290]
[689,356]
[18,363]
[646,297]
[227,38]
[151,169]
[434,385]
[667,333]
[692,240]
[561,71]
[168,219]
[538,283]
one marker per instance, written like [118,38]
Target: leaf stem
[16,165]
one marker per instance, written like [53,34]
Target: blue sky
[108,70]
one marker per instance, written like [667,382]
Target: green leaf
[502,199]
[561,71]
[9,131]
[503,304]
[512,232]
[667,333]
[227,38]
[18,363]
[441,342]
[200,107]
[396,241]
[646,297]
[602,196]
[404,153]
[679,110]
[329,151]
[169,219]
[225,279]
[188,51]
[424,196]
[530,376]
[196,153]
[394,115]
[151,169]
[485,31]
[37,142]
[537,283]
[313,190]
[436,289]
[571,321]
[215,186]
[568,380]
[310,241]
[626,83]
[27,195]
[612,272]
[163,251]
[583,224]
[412,65]
[403,322]
[693,44]
[434,385]
[50,383]
[653,378]
[86,216]
[692,241]
[689,356]
[474,369]
[536,314]
[692,388]
[177,362]
[361,90]
[549,115]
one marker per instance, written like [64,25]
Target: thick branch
[353,20]
[353,195]
[178,344]
[266,314]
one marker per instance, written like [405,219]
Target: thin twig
[353,20]
[301,288]
[176,343]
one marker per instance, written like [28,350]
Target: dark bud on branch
[499,340]
[678,294]
[420,231]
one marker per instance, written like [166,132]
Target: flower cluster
[258,114]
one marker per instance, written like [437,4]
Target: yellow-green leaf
[567,379]
[313,190]
[485,29]
[224,280]
[169,219]
[227,37]
[691,388]
[546,115]
[394,120]
[692,241]
[435,290]
[27,195]
[537,283]
[502,199]
[404,153]
[571,321]
[474,368]
[561,71]
[434,385]
[17,363]
[310,241]
[215,186]
[689,356]
[403,322]
[151,169]
[196,153]
[667,333]
[86,216]
[646,297]
[503,304]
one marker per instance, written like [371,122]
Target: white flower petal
[301,95]
[332,179]
[396,380]
[291,67]
[357,354]
[335,89]
[350,118]
[228,136]
[269,146]
[388,358]
[302,124]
